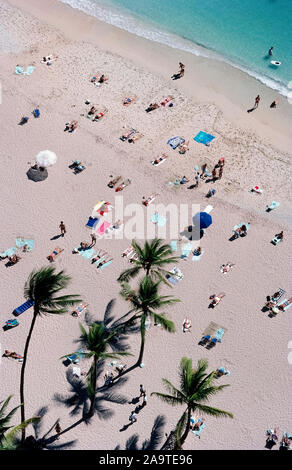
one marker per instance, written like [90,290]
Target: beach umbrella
[202,218]
[39,174]
[46,158]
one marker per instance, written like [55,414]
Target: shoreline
[206,80]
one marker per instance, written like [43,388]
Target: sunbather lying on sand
[215,299]
[100,115]
[196,426]
[113,182]
[71,126]
[104,262]
[91,111]
[241,231]
[151,107]
[159,160]
[12,354]
[166,100]
[183,148]
[99,79]
[14,259]
[187,325]
[128,101]
[135,137]
[99,255]
[226,267]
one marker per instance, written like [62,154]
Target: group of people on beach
[257,102]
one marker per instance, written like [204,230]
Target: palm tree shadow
[149,444]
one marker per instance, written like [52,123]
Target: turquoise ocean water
[237,31]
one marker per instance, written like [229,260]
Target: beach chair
[276,240]
[22,308]
[272,206]
[11,323]
[57,251]
[92,222]
[79,310]
[75,357]
[205,340]
[75,164]
[79,168]
[283,306]
[128,252]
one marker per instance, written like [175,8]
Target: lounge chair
[74,164]
[79,168]
[57,251]
[276,240]
[23,307]
[75,357]
[205,340]
[127,134]
[128,252]
[283,306]
[212,343]
[79,310]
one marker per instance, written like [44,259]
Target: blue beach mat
[87,253]
[24,241]
[174,142]
[19,70]
[204,138]
[9,252]
[29,70]
[106,264]
[159,220]
[219,334]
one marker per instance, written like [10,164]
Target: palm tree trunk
[22,401]
[142,329]
[93,385]
[187,430]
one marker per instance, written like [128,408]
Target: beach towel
[86,253]
[204,138]
[8,252]
[29,70]
[186,249]
[24,241]
[173,245]
[106,264]
[159,220]
[219,334]
[102,229]
[92,222]
[174,142]
[196,168]
[19,70]
[273,205]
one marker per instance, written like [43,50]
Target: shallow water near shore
[239,32]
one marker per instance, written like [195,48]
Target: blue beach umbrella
[202,218]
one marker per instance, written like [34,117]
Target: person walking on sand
[256,101]
[62,228]
[93,239]
[203,174]
[58,430]
[274,104]
[133,417]
[214,175]
[142,391]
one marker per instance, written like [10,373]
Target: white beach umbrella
[46,158]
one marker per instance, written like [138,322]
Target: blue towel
[106,264]
[29,70]
[87,253]
[173,245]
[36,113]
[92,222]
[22,241]
[19,70]
[174,142]
[22,308]
[203,138]
[9,252]
[219,334]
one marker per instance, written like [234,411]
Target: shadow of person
[176,76]
[251,109]
[192,232]
[134,401]
[56,237]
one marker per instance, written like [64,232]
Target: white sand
[255,347]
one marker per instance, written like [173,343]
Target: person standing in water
[271,51]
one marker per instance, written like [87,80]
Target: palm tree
[196,387]
[42,287]
[151,258]
[145,302]
[8,434]
[97,341]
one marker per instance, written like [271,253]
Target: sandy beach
[212,97]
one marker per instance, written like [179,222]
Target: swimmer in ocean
[271,51]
